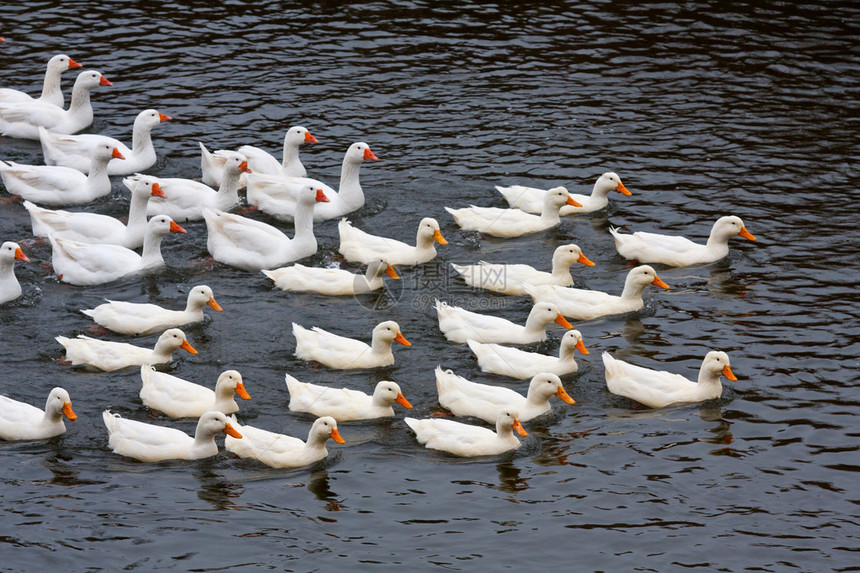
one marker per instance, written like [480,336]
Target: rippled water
[702,110]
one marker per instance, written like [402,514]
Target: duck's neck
[52,416]
[7,272]
[51,91]
[561,271]
[163,352]
[550,214]
[151,255]
[632,290]
[718,242]
[291,162]
[566,353]
[424,241]
[380,346]
[224,394]
[534,324]
[350,189]
[709,385]
[204,440]
[504,431]
[316,441]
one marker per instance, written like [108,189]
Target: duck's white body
[530,199]
[344,353]
[521,364]
[180,398]
[466,440]
[459,325]
[21,421]
[273,196]
[656,389]
[331,282]
[51,92]
[108,356]
[56,186]
[281,450]
[677,251]
[582,304]
[23,119]
[144,318]
[10,288]
[75,150]
[93,264]
[508,278]
[343,404]
[361,247]
[95,228]
[150,443]
[466,398]
[508,223]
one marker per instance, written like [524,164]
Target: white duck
[530,199]
[144,318]
[55,186]
[23,119]
[51,92]
[466,440]
[93,264]
[466,398]
[332,282]
[272,196]
[180,398]
[582,304]
[106,355]
[10,288]
[253,245]
[343,404]
[151,443]
[459,325]
[508,223]
[361,247]
[521,364]
[74,150]
[281,450]
[507,278]
[94,227]
[21,421]
[677,251]
[656,389]
[340,352]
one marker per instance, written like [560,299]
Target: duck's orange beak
[727,372]
[391,272]
[19,255]
[518,427]
[437,234]
[620,187]
[70,414]
[335,435]
[230,430]
[561,393]
[574,202]
[368,155]
[659,282]
[402,340]
[563,321]
[580,345]
[746,234]
[310,138]
[211,302]
[187,347]
[401,399]
[584,260]
[240,390]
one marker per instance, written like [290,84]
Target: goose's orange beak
[19,255]
[73,64]
[439,238]
[563,321]
[104,82]
[400,338]
[391,272]
[211,302]
[157,192]
[746,234]
[335,435]
[620,187]
[230,430]
[70,414]
[321,197]
[310,138]
[565,396]
[727,372]
[518,426]
[584,260]
[240,390]
[162,118]
[368,155]
[187,347]
[243,167]
[574,202]
[401,399]
[659,282]
[116,154]
[174,228]
[580,345]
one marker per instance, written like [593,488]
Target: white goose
[343,404]
[106,355]
[51,92]
[281,450]
[180,398]
[656,389]
[93,264]
[459,325]
[74,150]
[332,282]
[253,245]
[21,421]
[361,247]
[508,223]
[466,440]
[10,288]
[23,119]
[530,199]
[677,251]
[343,353]
[93,227]
[56,186]
[151,443]
[466,398]
[507,278]
[144,318]
[272,196]
[521,364]
[582,304]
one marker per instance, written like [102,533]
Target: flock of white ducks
[90,249]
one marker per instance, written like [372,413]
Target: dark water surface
[702,110]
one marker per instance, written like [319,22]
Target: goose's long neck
[350,189]
[291,161]
[141,138]
[229,188]
[80,99]
[98,168]
[7,271]
[51,91]
[304,222]
[137,211]
[152,249]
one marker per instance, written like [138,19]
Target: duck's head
[546,384]
[547,313]
[610,181]
[717,364]
[232,381]
[642,276]
[388,392]
[567,255]
[572,340]
[324,428]
[729,226]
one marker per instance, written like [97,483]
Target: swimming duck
[108,356]
[51,92]
[281,450]
[180,398]
[459,324]
[10,288]
[340,352]
[656,389]
[677,251]
[361,247]
[332,282]
[521,364]
[21,421]
[151,443]
[530,199]
[466,440]
[343,404]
